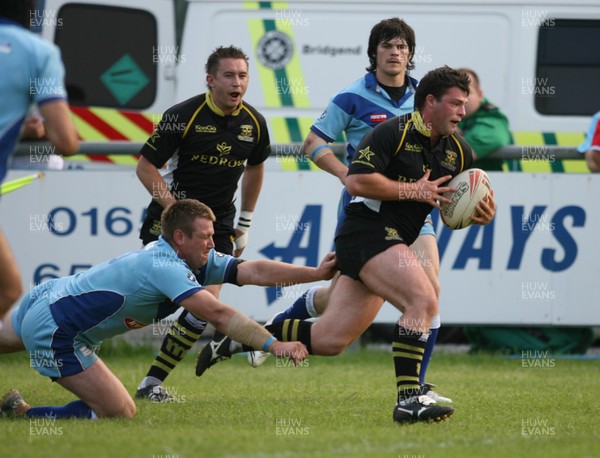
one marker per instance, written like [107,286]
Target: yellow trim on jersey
[462,153]
[213,106]
[420,124]
[404,131]
[191,121]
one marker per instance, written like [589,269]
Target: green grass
[337,407]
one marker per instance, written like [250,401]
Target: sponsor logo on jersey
[378,117]
[191,277]
[205,129]
[413,148]
[449,161]
[392,234]
[246,134]
[133,324]
[223,148]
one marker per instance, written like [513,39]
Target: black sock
[289,331]
[182,335]
[408,348]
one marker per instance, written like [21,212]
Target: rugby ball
[472,186]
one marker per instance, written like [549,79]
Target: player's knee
[335,346]
[127,410]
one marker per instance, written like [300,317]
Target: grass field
[331,407]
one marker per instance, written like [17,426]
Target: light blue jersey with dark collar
[124,293]
[358,108]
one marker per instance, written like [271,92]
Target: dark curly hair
[386,30]
[437,82]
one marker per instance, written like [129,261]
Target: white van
[125,65]
[537,60]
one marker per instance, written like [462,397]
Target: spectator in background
[591,146]
[484,126]
[32,74]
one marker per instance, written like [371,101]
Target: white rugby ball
[472,185]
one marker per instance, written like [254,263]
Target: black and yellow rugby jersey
[206,151]
[400,149]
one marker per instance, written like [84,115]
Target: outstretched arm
[275,273]
[239,327]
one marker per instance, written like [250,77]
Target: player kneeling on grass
[398,174]
[63,321]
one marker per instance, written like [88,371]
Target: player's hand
[485,210]
[240,242]
[328,267]
[430,192]
[296,351]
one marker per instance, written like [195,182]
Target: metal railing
[553,152]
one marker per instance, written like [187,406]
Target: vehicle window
[568,67]
[108,55]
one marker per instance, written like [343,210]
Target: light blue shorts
[53,352]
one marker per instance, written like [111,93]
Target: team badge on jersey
[392,234]
[449,162]
[223,148]
[191,277]
[378,117]
[246,134]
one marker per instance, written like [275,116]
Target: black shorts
[360,238]
[224,232]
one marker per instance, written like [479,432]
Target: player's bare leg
[10,278]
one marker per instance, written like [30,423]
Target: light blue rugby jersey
[124,293]
[358,108]
[31,72]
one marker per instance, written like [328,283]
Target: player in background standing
[385,91]
[32,74]
[484,126]
[208,142]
